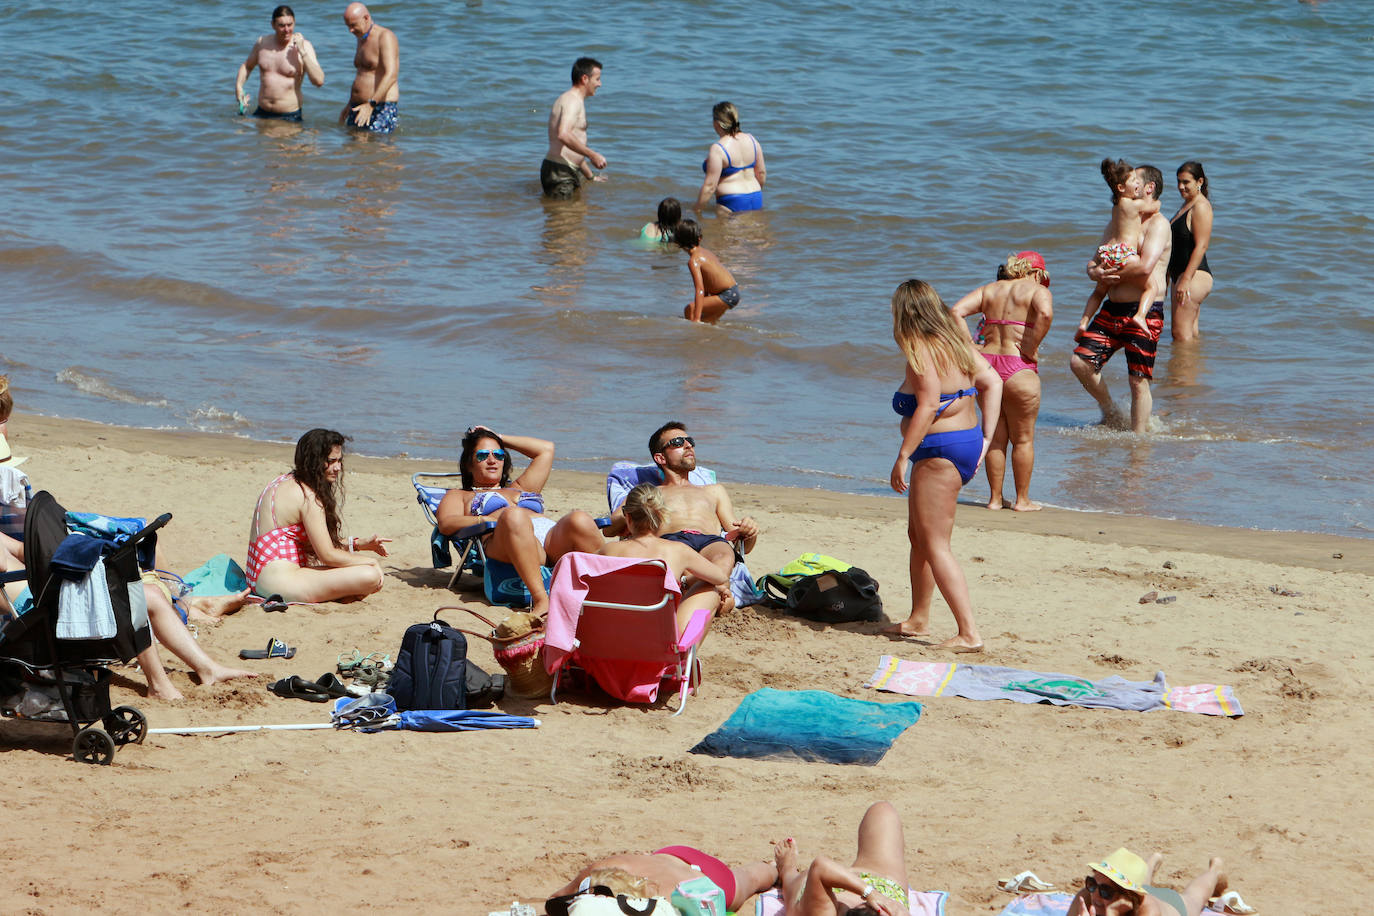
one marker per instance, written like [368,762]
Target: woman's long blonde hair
[6,399]
[620,882]
[920,315]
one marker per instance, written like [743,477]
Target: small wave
[88,383]
[210,419]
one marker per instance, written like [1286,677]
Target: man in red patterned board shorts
[1111,329]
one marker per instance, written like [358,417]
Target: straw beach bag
[517,642]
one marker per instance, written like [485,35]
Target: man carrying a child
[1113,328]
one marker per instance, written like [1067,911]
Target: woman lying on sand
[1120,886]
[655,874]
[876,882]
[523,537]
[705,585]
[295,549]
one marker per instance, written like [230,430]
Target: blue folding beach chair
[626,475]
[500,582]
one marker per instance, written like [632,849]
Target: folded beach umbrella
[377,711]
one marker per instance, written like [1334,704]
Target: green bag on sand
[773,587]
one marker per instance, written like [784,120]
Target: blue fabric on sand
[811,725]
[1056,904]
[220,575]
[377,712]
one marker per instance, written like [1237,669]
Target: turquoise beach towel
[219,576]
[810,725]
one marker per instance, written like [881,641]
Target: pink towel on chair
[567,592]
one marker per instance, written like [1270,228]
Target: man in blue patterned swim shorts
[373,100]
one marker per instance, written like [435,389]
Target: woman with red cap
[1017,309]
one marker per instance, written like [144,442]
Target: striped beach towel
[989,682]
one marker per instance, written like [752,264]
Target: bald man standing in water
[283,59]
[373,101]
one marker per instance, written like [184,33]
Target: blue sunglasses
[483,453]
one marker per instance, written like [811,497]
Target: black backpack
[433,672]
[836,597]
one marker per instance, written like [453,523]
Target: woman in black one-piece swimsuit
[1190,278]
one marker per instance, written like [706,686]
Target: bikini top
[905,404]
[729,168]
[487,503]
[1023,324]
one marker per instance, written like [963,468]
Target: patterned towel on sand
[923,903]
[989,682]
[1056,904]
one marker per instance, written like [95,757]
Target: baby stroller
[37,669]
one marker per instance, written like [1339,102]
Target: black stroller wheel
[126,725]
[93,745]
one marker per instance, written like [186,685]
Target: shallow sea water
[168,264]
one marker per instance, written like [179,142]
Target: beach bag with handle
[773,587]
[517,643]
[821,588]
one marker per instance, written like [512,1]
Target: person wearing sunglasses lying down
[523,537]
[1120,885]
[655,874]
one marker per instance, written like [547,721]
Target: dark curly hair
[312,460]
[474,435]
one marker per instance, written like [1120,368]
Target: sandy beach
[321,821]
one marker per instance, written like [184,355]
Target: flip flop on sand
[296,687]
[275,649]
[1230,902]
[1024,882]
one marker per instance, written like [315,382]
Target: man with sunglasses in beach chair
[700,516]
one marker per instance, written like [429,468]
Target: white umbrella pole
[227,729]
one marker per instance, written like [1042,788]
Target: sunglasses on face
[1104,889]
[679,442]
[482,454]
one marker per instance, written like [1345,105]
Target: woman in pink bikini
[295,548]
[1017,309]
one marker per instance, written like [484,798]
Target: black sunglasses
[482,453]
[558,906]
[1104,889]
[680,441]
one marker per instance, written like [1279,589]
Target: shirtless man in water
[373,100]
[696,514]
[569,159]
[283,59]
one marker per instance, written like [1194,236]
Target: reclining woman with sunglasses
[523,537]
[1119,885]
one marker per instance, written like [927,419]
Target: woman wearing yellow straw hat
[1119,885]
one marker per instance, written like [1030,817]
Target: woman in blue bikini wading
[943,442]
[734,165]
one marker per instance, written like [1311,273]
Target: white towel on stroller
[84,610]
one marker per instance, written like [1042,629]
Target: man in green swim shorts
[570,160]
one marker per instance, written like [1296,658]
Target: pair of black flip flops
[295,687]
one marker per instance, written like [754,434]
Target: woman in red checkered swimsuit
[294,547]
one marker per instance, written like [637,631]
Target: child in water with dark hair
[664,228]
[1131,208]
[714,290]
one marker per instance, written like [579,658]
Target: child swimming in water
[714,290]
[663,228]
[1131,207]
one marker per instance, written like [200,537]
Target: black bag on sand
[836,597]
[433,672]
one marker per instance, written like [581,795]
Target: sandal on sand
[1026,881]
[351,661]
[330,684]
[1230,902]
[296,687]
[275,649]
